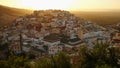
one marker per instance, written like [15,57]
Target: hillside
[8,14]
[52,29]
[54,25]
[101,18]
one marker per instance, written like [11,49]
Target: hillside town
[45,33]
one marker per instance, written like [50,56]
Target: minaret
[21,42]
[80,32]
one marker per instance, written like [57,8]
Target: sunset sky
[78,5]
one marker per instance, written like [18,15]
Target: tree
[15,62]
[43,63]
[62,60]
[58,61]
[101,55]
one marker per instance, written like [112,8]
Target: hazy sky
[64,4]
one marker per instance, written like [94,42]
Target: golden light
[47,4]
[78,5]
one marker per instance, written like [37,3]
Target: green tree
[58,61]
[43,63]
[100,55]
[61,61]
[15,62]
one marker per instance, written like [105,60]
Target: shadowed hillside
[101,18]
[7,14]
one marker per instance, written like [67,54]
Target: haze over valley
[100,17]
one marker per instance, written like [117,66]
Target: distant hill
[8,14]
[101,18]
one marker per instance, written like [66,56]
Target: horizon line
[80,10]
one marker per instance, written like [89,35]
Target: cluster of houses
[114,31]
[115,39]
[48,32]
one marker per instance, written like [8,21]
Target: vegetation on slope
[100,56]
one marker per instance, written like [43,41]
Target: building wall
[16,48]
[54,49]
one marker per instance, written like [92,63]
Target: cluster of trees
[100,56]
[15,62]
[59,61]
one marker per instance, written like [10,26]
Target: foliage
[15,62]
[59,61]
[44,63]
[100,56]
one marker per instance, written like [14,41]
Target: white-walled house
[116,40]
[26,49]
[20,19]
[117,36]
[16,47]
[53,43]
[54,49]
[32,19]
[48,43]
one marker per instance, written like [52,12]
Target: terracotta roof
[116,40]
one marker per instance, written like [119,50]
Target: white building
[52,50]
[26,49]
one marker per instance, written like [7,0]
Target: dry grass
[7,14]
